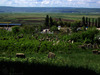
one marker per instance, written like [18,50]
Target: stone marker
[95,51]
[98,52]
[51,55]
[20,55]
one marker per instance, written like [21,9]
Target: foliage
[15,29]
[82,36]
[54,28]
[28,29]
[36,47]
[47,21]
[75,25]
[97,39]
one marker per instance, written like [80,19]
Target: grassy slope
[83,59]
[78,61]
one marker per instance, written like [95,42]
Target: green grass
[71,16]
[66,54]
[85,60]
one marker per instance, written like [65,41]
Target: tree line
[49,22]
[90,22]
[86,21]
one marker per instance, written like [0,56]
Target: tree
[55,23]
[92,21]
[51,22]
[86,21]
[74,26]
[47,21]
[54,28]
[60,22]
[99,22]
[96,22]
[15,29]
[83,21]
[89,22]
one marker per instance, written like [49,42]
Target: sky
[51,3]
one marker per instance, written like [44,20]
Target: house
[59,27]
[46,31]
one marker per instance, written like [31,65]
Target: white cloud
[51,3]
[98,2]
[45,2]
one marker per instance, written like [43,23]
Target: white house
[59,27]
[46,31]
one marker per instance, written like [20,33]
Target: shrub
[28,29]
[83,36]
[54,28]
[97,39]
[15,29]
[89,34]
[46,47]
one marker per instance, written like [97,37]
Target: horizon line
[50,7]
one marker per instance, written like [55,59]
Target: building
[59,27]
[8,26]
[46,31]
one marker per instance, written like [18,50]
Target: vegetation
[73,48]
[90,22]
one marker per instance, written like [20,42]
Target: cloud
[98,2]
[51,3]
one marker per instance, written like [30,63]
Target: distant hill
[5,9]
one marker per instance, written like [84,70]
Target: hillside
[5,9]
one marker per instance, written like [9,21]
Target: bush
[89,34]
[15,29]
[54,28]
[83,36]
[28,29]
[75,25]
[97,39]
[46,47]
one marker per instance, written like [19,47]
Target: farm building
[8,26]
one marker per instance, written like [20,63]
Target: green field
[70,57]
[22,17]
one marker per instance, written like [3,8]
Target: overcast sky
[51,3]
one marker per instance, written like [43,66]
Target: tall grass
[67,54]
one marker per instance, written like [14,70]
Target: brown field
[39,19]
[65,20]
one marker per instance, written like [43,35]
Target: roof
[11,24]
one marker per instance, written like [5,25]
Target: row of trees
[87,22]
[49,22]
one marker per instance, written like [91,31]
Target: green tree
[86,21]
[54,28]
[61,22]
[74,26]
[96,22]
[99,22]
[55,23]
[15,29]
[47,21]
[93,21]
[89,22]
[83,21]
[51,22]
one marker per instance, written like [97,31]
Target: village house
[46,31]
